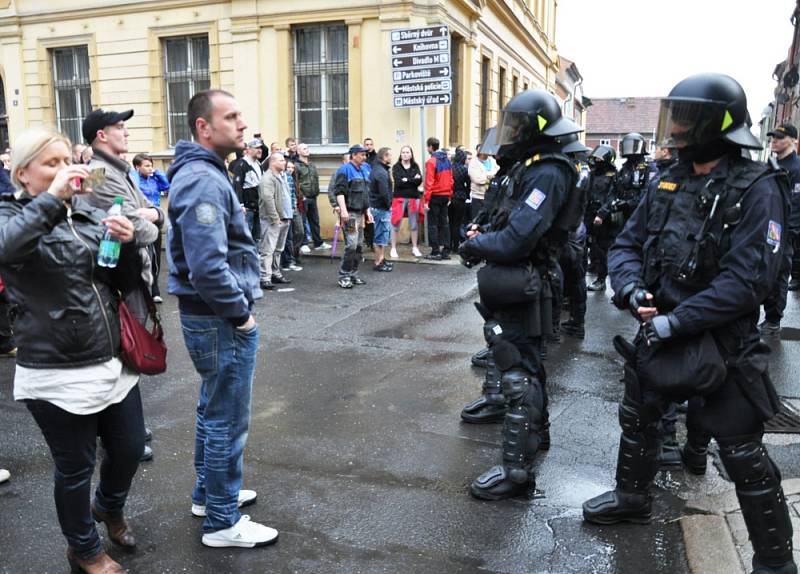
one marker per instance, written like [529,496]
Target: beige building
[317,70]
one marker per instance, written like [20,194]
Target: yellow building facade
[309,68]
[313,69]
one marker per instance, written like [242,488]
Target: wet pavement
[357,452]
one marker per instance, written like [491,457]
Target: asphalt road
[357,452]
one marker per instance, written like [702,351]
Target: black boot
[572,328]
[637,464]
[764,509]
[694,458]
[525,425]
[598,285]
[490,407]
[669,457]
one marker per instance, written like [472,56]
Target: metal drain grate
[787,421]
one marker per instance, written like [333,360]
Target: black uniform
[527,230]
[708,248]
[775,303]
[599,238]
[629,188]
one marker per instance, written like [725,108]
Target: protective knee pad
[639,444]
[761,499]
[517,383]
[492,331]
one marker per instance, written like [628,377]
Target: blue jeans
[225,358]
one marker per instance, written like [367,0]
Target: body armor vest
[569,216]
[691,220]
[600,185]
[632,180]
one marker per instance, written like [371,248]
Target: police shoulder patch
[206,213]
[536,198]
[667,185]
[774,233]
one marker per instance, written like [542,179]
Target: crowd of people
[680,238]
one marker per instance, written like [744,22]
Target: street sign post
[421,74]
[421,71]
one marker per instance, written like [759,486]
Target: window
[514,86]
[501,89]
[320,84]
[485,65]
[185,73]
[72,89]
[605,142]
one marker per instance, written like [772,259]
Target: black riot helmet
[604,153]
[632,144]
[531,118]
[706,108]
[572,145]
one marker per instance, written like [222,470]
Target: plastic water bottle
[108,255]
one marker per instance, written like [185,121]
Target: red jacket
[438,176]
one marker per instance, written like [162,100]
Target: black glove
[638,298]
[661,328]
[468,258]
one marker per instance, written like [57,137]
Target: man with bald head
[275,209]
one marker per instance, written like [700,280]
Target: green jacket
[307,178]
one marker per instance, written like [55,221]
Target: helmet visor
[513,127]
[632,146]
[684,123]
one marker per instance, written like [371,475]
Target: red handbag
[141,350]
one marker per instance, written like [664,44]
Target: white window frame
[75,83]
[190,74]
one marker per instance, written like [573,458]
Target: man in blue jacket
[214,273]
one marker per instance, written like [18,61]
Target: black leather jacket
[65,305]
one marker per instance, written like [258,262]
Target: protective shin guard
[758,488]
[490,407]
[637,465]
[522,435]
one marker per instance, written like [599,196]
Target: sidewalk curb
[716,538]
[709,545]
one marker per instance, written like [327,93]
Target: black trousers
[474,208]
[312,216]
[601,241]
[438,226]
[456,214]
[73,443]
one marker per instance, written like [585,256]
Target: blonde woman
[67,334]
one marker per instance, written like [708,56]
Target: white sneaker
[393,254]
[322,247]
[246,498]
[305,249]
[244,534]
[157,299]
[294,267]
[4,475]
[416,252]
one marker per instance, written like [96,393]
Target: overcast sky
[644,47]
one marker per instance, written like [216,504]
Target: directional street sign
[421,66]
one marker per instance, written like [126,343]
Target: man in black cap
[106,133]
[351,187]
[782,144]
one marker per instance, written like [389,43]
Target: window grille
[73,92]
[186,72]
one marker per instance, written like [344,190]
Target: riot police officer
[693,264]
[599,237]
[630,185]
[572,258]
[528,227]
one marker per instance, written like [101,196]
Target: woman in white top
[67,333]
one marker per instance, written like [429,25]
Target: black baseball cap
[99,119]
[783,131]
[358,148]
